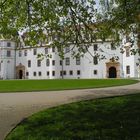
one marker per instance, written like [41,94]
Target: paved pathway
[14,107]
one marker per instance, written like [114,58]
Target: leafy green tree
[121,16]
[68,22]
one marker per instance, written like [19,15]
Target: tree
[75,22]
[122,16]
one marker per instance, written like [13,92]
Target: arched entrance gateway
[112,72]
[113,69]
[20,74]
[20,71]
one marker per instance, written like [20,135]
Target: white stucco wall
[7,63]
[86,67]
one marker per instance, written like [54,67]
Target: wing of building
[102,60]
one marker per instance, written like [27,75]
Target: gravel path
[14,107]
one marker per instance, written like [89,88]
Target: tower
[7,59]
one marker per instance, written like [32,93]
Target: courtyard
[15,107]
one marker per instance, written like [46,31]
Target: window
[25,52]
[39,63]
[139,51]
[60,73]
[63,72]
[95,72]
[78,72]
[67,49]
[34,73]
[78,61]
[48,73]
[39,73]
[8,53]
[127,52]
[70,72]
[95,47]
[53,49]
[95,60]
[127,69]
[53,73]
[53,62]
[20,53]
[60,62]
[34,51]
[67,62]
[53,37]
[27,73]
[47,62]
[46,51]
[59,49]
[29,63]
[113,46]
[8,44]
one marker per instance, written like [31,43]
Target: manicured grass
[115,118]
[43,85]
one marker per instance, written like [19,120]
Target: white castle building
[22,62]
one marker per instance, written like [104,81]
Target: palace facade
[106,61]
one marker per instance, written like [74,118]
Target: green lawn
[42,85]
[115,118]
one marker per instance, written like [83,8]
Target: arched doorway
[112,69]
[20,74]
[112,72]
[20,71]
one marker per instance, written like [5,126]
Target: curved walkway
[14,107]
